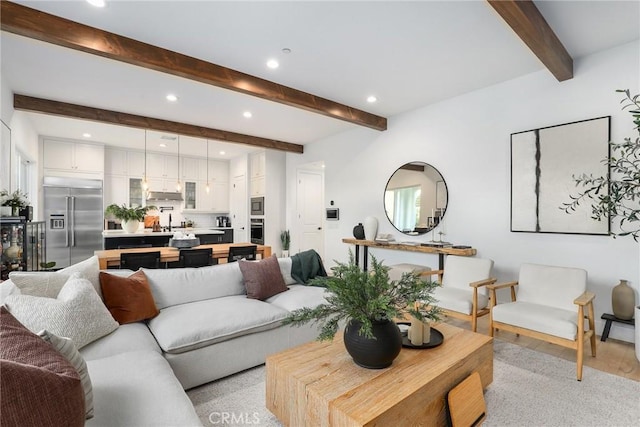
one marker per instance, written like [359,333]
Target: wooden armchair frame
[475,312]
[583,301]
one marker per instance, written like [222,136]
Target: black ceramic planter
[373,353]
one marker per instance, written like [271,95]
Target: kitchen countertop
[148,232]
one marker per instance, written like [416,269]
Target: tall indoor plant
[622,201]
[130,216]
[285,239]
[368,302]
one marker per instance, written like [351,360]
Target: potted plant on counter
[285,239]
[368,302]
[130,216]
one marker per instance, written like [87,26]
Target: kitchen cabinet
[189,170]
[115,190]
[220,197]
[135,163]
[212,239]
[159,184]
[257,162]
[190,195]
[218,170]
[257,186]
[115,161]
[73,157]
[162,166]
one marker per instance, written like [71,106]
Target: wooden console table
[366,244]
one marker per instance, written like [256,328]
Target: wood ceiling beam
[64,109]
[35,24]
[528,23]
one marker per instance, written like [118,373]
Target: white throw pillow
[43,284]
[78,312]
[48,284]
[8,288]
[66,347]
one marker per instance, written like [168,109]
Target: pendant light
[178,184]
[145,183]
[207,189]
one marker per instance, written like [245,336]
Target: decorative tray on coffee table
[436,338]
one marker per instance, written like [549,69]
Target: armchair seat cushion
[542,318]
[457,299]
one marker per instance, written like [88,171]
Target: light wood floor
[612,356]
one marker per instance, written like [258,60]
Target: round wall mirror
[415,198]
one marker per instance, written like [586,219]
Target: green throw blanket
[307,265]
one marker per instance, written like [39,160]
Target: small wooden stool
[466,403]
[607,326]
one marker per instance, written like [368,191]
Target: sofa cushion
[8,288]
[541,318]
[129,337]
[262,278]
[49,284]
[182,285]
[138,389]
[77,312]
[299,296]
[66,348]
[460,300]
[186,327]
[38,385]
[285,269]
[128,299]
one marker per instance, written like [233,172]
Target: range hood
[164,195]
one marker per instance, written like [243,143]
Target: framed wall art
[543,165]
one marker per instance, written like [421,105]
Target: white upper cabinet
[115,161]
[257,161]
[73,157]
[162,166]
[220,197]
[135,163]
[219,170]
[189,169]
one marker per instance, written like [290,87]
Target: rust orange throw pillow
[128,299]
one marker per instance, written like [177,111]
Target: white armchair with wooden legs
[551,305]
[462,293]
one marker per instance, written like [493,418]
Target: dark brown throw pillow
[38,385]
[128,299]
[263,279]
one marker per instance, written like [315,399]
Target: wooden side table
[607,326]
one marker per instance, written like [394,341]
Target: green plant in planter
[367,297]
[17,199]
[127,214]
[285,239]
[622,201]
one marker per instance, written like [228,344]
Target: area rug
[529,389]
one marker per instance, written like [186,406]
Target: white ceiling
[408,54]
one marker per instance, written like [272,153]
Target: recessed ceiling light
[86,135]
[163,145]
[222,153]
[171,97]
[273,64]
[286,50]
[371,99]
[247,114]
[96,3]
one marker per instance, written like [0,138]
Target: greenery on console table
[367,297]
[122,212]
[623,198]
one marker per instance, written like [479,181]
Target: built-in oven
[257,231]
[257,206]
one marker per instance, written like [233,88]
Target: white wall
[468,140]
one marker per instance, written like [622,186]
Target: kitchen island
[120,239]
[111,258]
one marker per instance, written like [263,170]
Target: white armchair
[550,306]
[463,294]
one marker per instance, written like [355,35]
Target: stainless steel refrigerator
[74,219]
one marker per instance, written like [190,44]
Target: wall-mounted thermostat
[333,214]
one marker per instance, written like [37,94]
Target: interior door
[239,204]
[310,196]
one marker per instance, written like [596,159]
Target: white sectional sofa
[207,329]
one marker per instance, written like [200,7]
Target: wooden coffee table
[318,384]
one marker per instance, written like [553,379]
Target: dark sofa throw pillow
[263,279]
[128,299]
[38,385]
